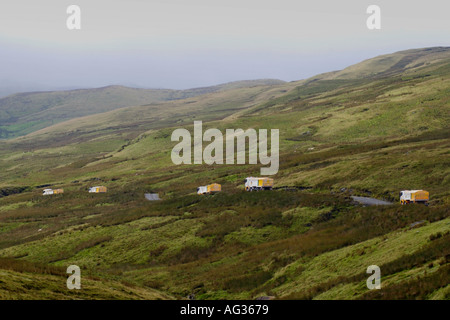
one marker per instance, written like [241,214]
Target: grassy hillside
[26,281]
[24,113]
[407,61]
[363,132]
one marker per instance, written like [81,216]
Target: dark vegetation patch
[357,225]
[26,266]
[4,192]
[429,252]
[247,281]
[419,288]
[66,254]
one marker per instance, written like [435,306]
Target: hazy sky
[191,43]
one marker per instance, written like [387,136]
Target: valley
[370,130]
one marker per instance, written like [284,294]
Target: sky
[182,44]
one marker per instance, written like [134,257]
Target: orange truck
[47,192]
[99,189]
[254,184]
[414,196]
[209,189]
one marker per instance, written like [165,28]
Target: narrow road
[370,201]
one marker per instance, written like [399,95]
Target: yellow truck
[47,192]
[255,184]
[209,189]
[414,196]
[99,189]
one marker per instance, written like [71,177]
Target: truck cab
[202,190]
[47,192]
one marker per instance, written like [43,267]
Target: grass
[386,252]
[24,113]
[339,137]
[32,285]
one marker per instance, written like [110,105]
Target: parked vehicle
[47,192]
[209,189]
[414,196]
[99,189]
[255,184]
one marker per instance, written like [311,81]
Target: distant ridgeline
[24,113]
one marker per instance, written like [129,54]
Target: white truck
[47,192]
[98,189]
[255,184]
[209,189]
[414,196]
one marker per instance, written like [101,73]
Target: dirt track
[370,201]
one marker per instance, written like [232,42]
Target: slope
[338,137]
[24,113]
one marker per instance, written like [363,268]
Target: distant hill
[389,64]
[24,113]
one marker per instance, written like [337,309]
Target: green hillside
[27,281]
[407,61]
[24,113]
[372,129]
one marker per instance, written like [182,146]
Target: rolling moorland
[372,129]
[23,113]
